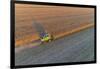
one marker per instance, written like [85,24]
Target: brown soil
[55,20]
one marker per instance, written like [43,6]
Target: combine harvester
[43,34]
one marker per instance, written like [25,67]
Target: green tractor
[46,37]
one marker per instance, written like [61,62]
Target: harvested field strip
[74,30]
[26,40]
[31,38]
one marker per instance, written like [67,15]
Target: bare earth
[56,20]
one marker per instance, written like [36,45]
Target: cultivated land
[78,47]
[58,21]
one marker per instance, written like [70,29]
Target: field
[56,20]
